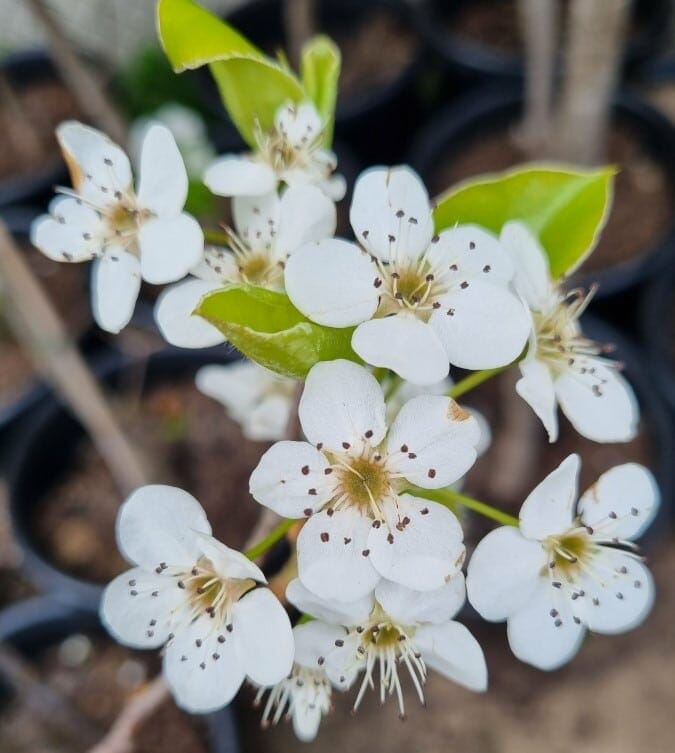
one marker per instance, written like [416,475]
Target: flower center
[364,482]
[409,288]
[209,593]
[568,553]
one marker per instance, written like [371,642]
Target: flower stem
[270,540]
[450,498]
[216,236]
[473,380]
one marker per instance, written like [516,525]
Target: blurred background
[455,88]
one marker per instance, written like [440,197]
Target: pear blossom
[349,479]
[259,400]
[562,366]
[305,695]
[130,234]
[196,597]
[419,301]
[267,229]
[392,628]
[291,153]
[568,567]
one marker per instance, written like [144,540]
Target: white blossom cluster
[380,560]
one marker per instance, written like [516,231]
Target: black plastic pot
[474,59]
[377,121]
[47,445]
[492,110]
[657,327]
[37,623]
[23,70]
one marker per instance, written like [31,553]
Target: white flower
[256,398]
[197,596]
[420,300]
[562,366]
[267,230]
[305,695]
[290,153]
[349,480]
[397,627]
[561,573]
[132,235]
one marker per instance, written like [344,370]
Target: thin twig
[299,24]
[38,328]
[86,88]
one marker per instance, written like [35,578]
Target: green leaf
[265,326]
[320,69]
[252,86]
[566,208]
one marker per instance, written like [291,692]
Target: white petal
[157,524]
[263,637]
[306,215]
[163,181]
[70,233]
[313,640]
[533,276]
[344,662]
[334,187]
[331,559]
[503,573]
[536,388]
[256,219]
[332,283]
[290,479]
[177,322]
[453,652]
[608,414]
[404,344]
[227,562]
[380,196]
[299,124]
[98,167]
[543,639]
[170,248]
[619,595]
[342,403]
[621,503]
[408,607]
[239,176]
[269,419]
[432,441]
[238,386]
[218,264]
[199,681]
[138,607]
[425,552]
[116,280]
[481,326]
[306,720]
[348,613]
[549,508]
[468,251]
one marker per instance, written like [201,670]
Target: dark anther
[325,537]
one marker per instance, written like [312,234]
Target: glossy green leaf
[266,327]
[565,207]
[320,69]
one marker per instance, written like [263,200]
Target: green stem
[450,498]
[392,387]
[473,380]
[270,540]
[216,236]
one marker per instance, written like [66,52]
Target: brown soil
[43,106]
[190,443]
[365,66]
[643,200]
[97,686]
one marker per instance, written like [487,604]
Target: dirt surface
[42,106]
[191,443]
[364,67]
[642,211]
[96,677]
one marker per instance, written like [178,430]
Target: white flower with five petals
[131,235]
[291,153]
[196,597]
[567,567]
[350,479]
[419,301]
[562,366]
[392,628]
[267,229]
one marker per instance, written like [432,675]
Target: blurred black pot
[38,623]
[473,58]
[658,332]
[493,110]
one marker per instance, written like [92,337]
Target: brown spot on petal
[456,412]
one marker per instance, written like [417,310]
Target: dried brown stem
[84,84]
[38,328]
[299,24]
